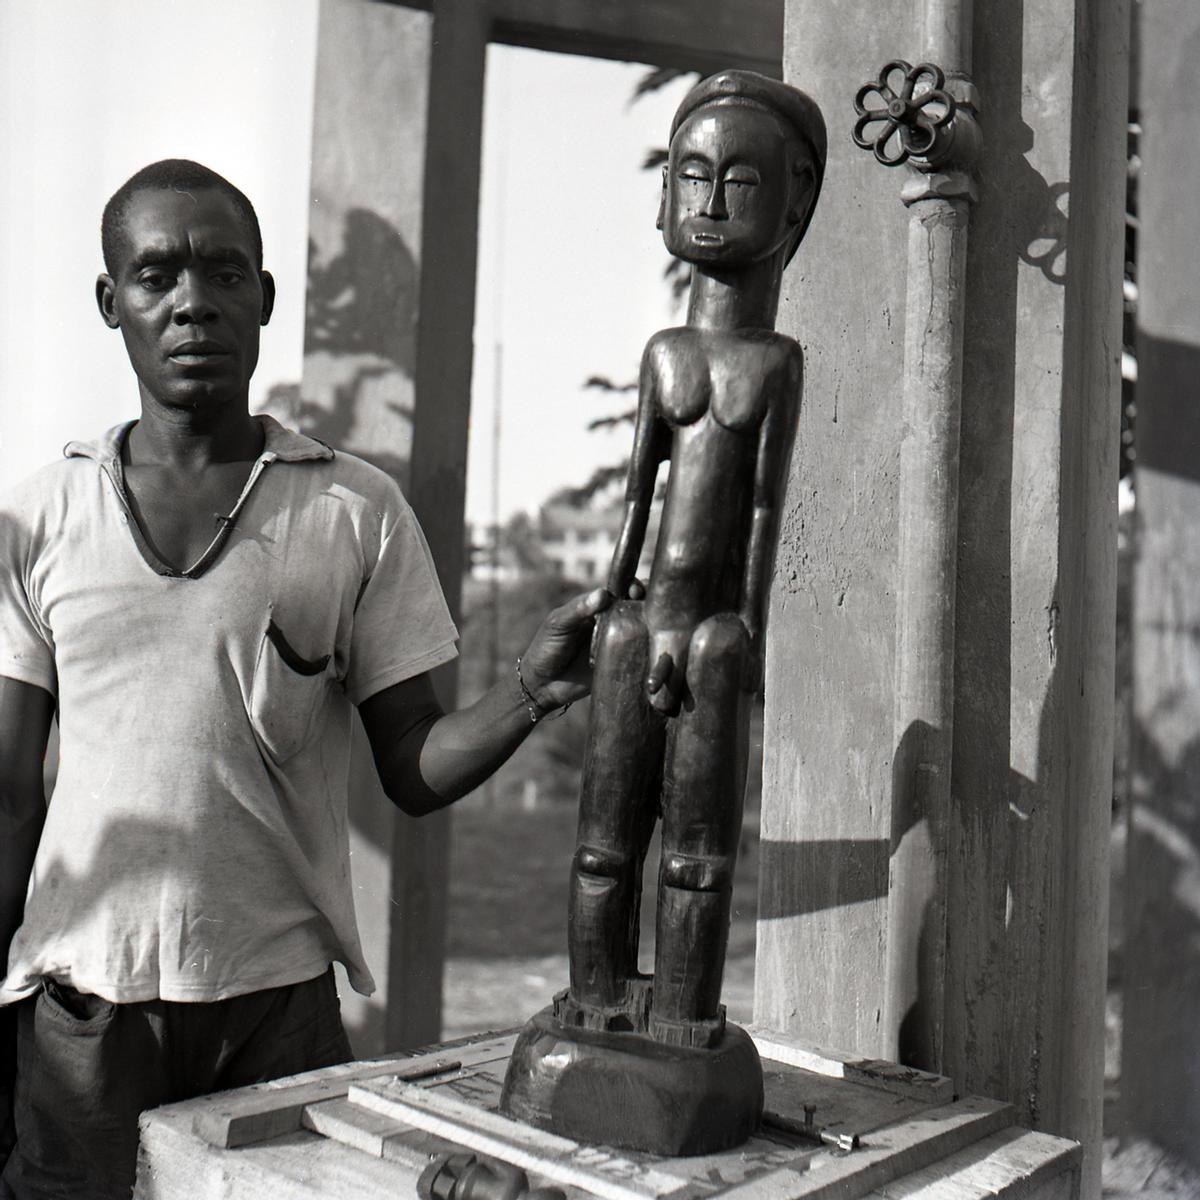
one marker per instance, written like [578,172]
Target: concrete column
[361,336]
[1160,1059]
[1025,847]
[437,487]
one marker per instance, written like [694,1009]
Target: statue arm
[649,449]
[775,438]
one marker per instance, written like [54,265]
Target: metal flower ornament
[911,109]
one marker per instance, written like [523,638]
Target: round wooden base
[629,1091]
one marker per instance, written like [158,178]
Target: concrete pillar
[361,338]
[1025,850]
[437,483]
[1160,1059]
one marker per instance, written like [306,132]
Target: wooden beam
[688,34]
[693,35]
[437,481]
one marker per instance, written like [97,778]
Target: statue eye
[742,178]
[695,175]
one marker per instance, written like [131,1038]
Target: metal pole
[937,136]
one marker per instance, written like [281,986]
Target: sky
[570,266]
[570,262]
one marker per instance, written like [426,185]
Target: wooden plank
[890,1077]
[888,1154]
[603,1172]
[265,1115]
[840,1106]
[371,1132]
[174,1164]
[267,1110]
[1014,1164]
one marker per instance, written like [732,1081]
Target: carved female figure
[719,400]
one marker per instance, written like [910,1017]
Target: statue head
[747,156]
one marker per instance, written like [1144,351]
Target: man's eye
[228,278]
[155,281]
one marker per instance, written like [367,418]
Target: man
[202,595]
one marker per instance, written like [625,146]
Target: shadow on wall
[1161,1042]
[357,396]
[359,346]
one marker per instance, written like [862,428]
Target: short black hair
[170,174]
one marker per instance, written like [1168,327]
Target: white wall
[90,92]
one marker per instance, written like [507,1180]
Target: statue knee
[697,872]
[719,639]
[601,862]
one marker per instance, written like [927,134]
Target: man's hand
[555,668]
[427,759]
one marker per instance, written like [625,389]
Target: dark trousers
[86,1068]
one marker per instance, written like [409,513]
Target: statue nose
[715,205]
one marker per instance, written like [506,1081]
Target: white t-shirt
[196,844]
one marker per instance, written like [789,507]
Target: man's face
[728,187]
[188,297]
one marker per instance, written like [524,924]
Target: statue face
[728,188]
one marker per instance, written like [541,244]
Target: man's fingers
[577,612]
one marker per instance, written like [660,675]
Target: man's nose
[715,204]
[194,304]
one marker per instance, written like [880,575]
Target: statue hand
[555,668]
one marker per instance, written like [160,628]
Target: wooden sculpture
[621,1058]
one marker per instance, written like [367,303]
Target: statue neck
[743,299]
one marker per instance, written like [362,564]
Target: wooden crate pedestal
[832,1127]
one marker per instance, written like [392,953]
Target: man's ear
[106,301]
[268,291]
[803,181]
[662,204]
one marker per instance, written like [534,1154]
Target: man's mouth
[190,353]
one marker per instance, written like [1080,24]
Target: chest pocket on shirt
[287,696]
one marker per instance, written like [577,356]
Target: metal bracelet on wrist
[536,711]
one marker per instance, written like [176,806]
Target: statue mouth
[707,239]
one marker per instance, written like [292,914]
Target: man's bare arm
[25,715]
[427,758]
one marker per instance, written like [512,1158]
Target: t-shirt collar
[279,444]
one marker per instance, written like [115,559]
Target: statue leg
[622,772]
[702,821]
